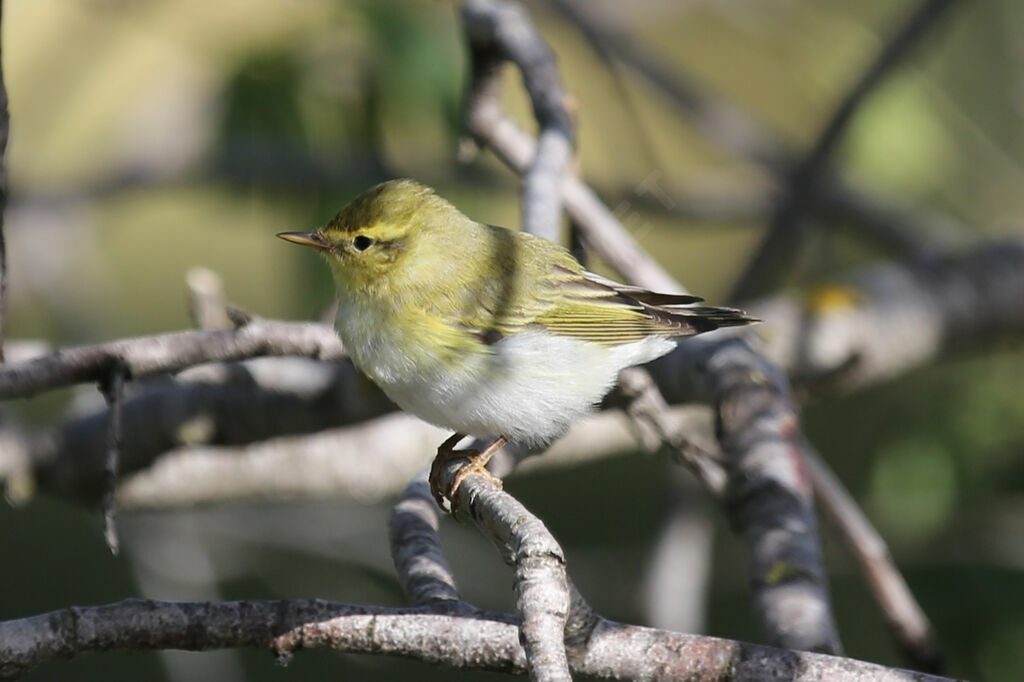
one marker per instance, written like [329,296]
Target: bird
[486,331]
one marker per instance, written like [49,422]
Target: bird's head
[387,239]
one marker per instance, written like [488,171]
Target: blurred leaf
[898,142]
[913,487]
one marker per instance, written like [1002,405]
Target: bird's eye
[362,243]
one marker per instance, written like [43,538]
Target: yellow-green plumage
[482,329]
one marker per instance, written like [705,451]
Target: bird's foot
[477,464]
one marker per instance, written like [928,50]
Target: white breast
[529,388]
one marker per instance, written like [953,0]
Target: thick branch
[540,583]
[213,404]
[471,640]
[757,424]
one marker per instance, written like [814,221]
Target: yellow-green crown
[393,203]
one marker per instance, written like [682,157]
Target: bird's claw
[477,464]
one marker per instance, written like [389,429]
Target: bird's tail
[688,320]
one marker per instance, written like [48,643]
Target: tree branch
[499,31]
[416,549]
[147,355]
[873,325]
[540,584]
[786,226]
[908,623]
[757,424]
[113,392]
[5,128]
[478,639]
[731,128]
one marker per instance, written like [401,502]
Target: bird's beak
[305,239]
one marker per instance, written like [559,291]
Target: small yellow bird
[486,331]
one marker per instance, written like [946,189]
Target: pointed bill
[304,239]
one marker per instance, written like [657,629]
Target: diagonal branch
[502,31]
[786,226]
[906,620]
[730,128]
[757,426]
[542,596]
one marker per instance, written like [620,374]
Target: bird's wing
[593,308]
[541,286]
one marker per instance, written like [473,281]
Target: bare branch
[146,355]
[207,301]
[717,119]
[113,391]
[757,425]
[647,406]
[515,147]
[475,639]
[731,128]
[416,549]
[499,31]
[767,497]
[541,586]
[5,127]
[786,226]
[223,404]
[910,626]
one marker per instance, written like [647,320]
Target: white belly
[528,389]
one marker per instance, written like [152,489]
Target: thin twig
[909,625]
[647,406]
[112,388]
[731,128]
[5,127]
[722,122]
[786,227]
[207,301]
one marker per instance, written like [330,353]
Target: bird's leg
[476,465]
[446,452]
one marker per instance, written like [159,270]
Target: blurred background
[152,136]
